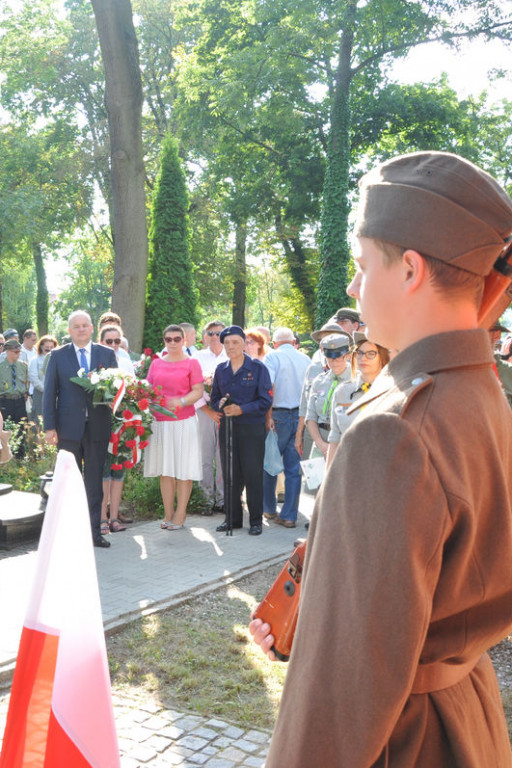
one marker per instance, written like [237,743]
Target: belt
[439,675]
[286,409]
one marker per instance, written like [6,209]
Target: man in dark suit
[70,420]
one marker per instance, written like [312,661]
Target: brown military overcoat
[408,577]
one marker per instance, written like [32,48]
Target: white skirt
[174,450]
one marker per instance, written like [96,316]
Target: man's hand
[322,446]
[51,436]
[233,410]
[299,442]
[260,632]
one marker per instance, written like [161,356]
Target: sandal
[164,524]
[116,526]
[123,519]
[104,527]
[174,527]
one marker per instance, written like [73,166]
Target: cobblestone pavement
[152,737]
[146,570]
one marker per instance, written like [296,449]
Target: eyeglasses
[370,355]
[176,339]
[16,351]
[112,341]
[213,333]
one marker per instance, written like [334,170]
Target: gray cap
[336,344]
[329,328]
[10,333]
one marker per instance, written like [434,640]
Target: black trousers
[248,452]
[90,457]
[15,409]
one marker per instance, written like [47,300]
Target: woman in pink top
[173,452]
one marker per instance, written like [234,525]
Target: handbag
[273,461]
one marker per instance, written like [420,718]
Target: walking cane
[228,471]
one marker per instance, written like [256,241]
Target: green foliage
[23,474]
[171,294]
[141,495]
[18,295]
[89,279]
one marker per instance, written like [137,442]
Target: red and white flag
[60,711]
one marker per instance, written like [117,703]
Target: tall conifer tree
[171,295]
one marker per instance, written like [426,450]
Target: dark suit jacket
[65,404]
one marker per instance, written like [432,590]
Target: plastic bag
[273,462]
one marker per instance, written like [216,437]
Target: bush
[23,473]
[141,496]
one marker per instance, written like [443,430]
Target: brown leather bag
[280,606]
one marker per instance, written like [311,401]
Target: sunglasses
[213,333]
[176,339]
[112,341]
[371,355]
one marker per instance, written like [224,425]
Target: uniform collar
[441,352]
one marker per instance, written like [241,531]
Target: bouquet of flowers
[142,365]
[132,401]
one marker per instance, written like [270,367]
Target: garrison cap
[231,330]
[347,313]
[440,205]
[12,344]
[336,344]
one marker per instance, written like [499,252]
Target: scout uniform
[407,580]
[13,386]
[345,395]
[324,386]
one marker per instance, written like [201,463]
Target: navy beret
[231,330]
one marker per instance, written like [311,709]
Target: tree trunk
[42,290]
[335,251]
[123,98]
[298,268]
[240,283]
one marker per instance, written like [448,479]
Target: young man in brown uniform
[408,575]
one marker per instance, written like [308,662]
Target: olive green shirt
[6,379]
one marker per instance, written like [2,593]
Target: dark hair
[107,329]
[29,332]
[176,328]
[382,351]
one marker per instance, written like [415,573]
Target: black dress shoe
[255,530]
[101,542]
[223,527]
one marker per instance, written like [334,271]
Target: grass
[199,657]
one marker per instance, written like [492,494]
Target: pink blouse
[175,380]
